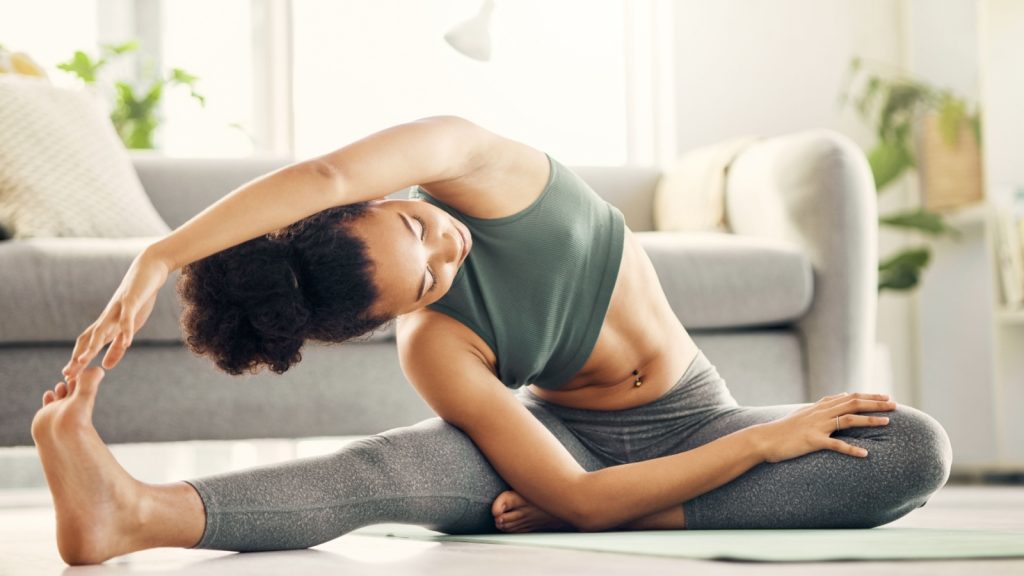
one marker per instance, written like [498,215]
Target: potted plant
[134,112]
[911,116]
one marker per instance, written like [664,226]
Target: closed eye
[423,236]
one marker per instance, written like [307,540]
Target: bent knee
[915,455]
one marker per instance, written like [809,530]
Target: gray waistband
[700,384]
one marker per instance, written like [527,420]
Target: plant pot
[951,175]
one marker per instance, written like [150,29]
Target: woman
[505,271]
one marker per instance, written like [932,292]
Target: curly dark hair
[254,305]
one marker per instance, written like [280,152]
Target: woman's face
[416,249]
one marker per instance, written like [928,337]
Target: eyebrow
[423,277]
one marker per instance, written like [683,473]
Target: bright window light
[49,31]
[216,45]
[556,78]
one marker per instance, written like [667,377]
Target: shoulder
[503,177]
[449,371]
[426,337]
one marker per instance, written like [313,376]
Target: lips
[466,243]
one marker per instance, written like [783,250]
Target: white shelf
[1012,316]
[971,215]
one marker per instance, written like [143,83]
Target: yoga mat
[755,545]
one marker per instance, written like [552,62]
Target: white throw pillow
[63,170]
[690,196]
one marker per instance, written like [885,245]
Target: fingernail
[862,452]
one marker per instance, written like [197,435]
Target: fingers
[861,405]
[115,352]
[88,346]
[848,396]
[844,448]
[856,421]
[73,366]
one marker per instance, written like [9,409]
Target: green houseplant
[894,103]
[135,107]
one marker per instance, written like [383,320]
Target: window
[215,45]
[49,31]
[556,78]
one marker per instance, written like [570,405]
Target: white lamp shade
[473,37]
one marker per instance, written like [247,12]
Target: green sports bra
[536,285]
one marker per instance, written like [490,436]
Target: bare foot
[512,513]
[97,502]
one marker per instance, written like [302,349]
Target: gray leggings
[431,473]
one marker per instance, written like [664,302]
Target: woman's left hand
[125,314]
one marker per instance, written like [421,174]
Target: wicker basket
[951,176]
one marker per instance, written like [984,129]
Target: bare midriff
[640,333]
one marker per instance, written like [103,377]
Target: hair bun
[249,307]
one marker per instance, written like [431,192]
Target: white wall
[747,66]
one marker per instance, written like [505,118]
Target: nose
[453,246]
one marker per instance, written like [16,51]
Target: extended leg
[430,474]
[908,460]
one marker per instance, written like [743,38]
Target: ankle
[171,515]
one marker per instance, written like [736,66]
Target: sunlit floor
[27,545]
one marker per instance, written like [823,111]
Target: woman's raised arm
[427,150]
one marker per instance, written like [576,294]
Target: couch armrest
[815,188]
[182,187]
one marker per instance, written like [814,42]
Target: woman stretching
[529,319]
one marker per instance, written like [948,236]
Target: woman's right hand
[126,313]
[810,428]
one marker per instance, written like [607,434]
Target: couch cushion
[51,289]
[722,280]
[65,172]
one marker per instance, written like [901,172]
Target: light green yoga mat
[756,545]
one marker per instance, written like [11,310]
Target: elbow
[329,178]
[583,514]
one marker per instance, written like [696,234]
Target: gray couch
[783,306]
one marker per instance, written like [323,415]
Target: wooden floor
[27,548]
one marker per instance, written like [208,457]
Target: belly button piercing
[638,382]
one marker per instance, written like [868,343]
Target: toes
[512,516]
[507,500]
[89,381]
[72,385]
[60,390]
[48,397]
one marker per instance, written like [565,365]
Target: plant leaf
[82,66]
[179,76]
[122,48]
[921,220]
[903,270]
[910,257]
[951,114]
[901,278]
[888,160]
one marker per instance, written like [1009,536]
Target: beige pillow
[63,170]
[690,196]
